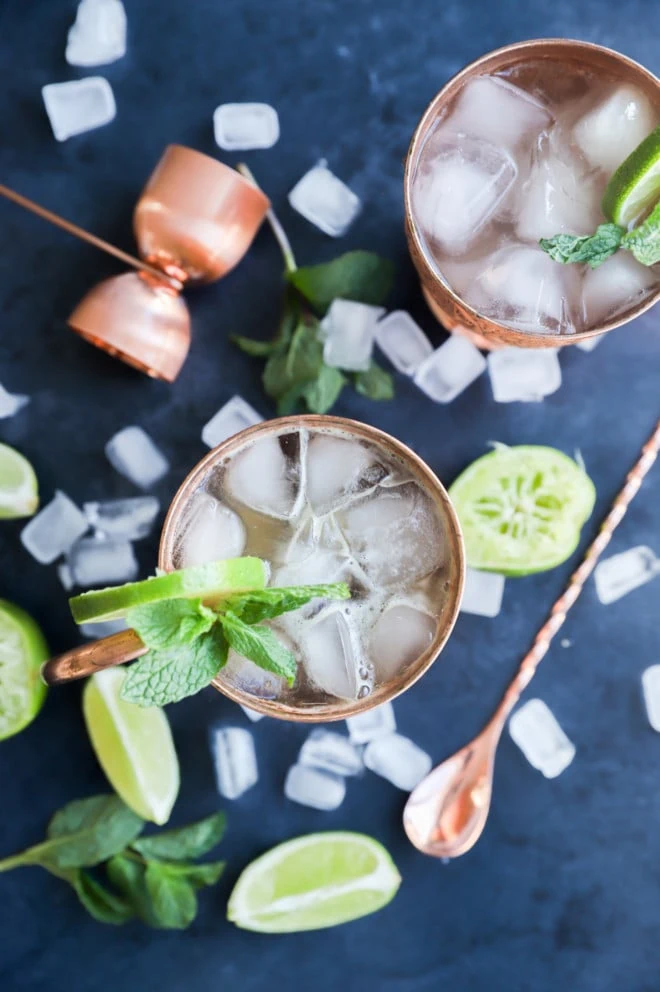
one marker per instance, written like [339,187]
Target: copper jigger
[194,221]
[452,312]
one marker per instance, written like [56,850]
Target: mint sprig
[295,375]
[643,242]
[153,878]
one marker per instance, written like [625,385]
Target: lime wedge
[134,746]
[19,494]
[313,882]
[521,509]
[635,186]
[22,652]
[207,582]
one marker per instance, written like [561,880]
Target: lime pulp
[635,186]
[19,494]
[23,649]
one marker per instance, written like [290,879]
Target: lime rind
[521,509]
[23,649]
[19,490]
[635,186]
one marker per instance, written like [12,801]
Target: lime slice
[312,882]
[635,186]
[134,746]
[19,494]
[22,652]
[521,509]
[207,582]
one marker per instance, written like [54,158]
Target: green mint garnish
[167,675]
[644,241]
[593,249]
[171,622]
[182,843]
[295,375]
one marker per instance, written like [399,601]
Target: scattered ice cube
[11,403]
[400,635]
[243,126]
[615,286]
[312,787]
[54,529]
[260,477]
[234,416]
[497,111]
[333,658]
[620,574]
[325,201]
[105,629]
[612,130]
[450,369]
[335,468]
[458,189]
[588,344]
[398,760]
[79,105]
[483,593]
[566,642]
[98,35]
[330,752]
[651,690]
[132,453]
[349,328]
[130,519]
[535,730]
[523,374]
[376,722]
[235,760]
[403,341]
[210,532]
[65,575]
[97,561]
[252,714]
[558,198]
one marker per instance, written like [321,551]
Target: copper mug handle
[82,661]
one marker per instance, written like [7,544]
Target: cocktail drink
[322,499]
[517,148]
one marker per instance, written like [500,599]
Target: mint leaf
[260,645]
[357,275]
[299,366]
[375,383]
[264,604]
[192,841]
[196,875]
[170,622]
[128,876]
[257,349]
[593,249]
[322,394]
[104,905]
[173,899]
[643,242]
[162,677]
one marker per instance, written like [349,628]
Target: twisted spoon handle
[560,610]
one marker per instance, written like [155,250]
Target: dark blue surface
[563,890]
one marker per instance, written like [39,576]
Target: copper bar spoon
[446,813]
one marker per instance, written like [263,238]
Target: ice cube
[349,330]
[523,374]
[54,529]
[235,760]
[535,730]
[330,752]
[130,519]
[588,344]
[497,111]
[398,760]
[98,561]
[312,787]
[79,105]
[325,201]
[98,35]
[376,722]
[210,532]
[245,675]
[333,658]
[231,418]
[483,593]
[260,477]
[612,130]
[651,691]
[620,574]
[95,630]
[335,468]
[242,126]
[558,198]
[132,453]
[399,636]
[11,403]
[459,188]
[615,286]
[65,575]
[403,341]
[450,369]
[252,714]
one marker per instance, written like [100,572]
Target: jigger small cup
[195,220]
[124,646]
[447,306]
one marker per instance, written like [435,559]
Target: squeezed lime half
[521,509]
[19,494]
[23,649]
[635,186]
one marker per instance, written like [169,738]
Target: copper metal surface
[94,657]
[447,812]
[446,304]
